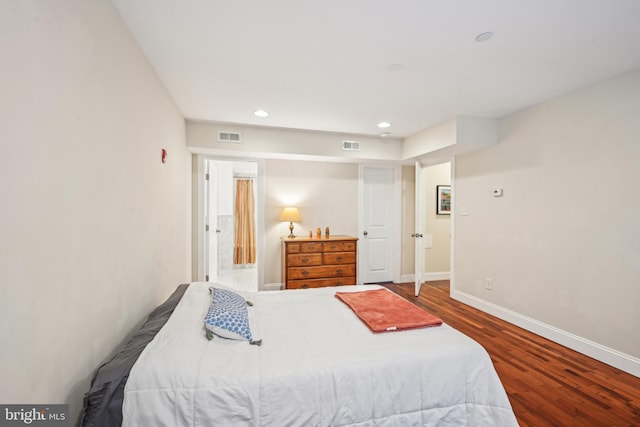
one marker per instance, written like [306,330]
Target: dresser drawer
[295,273]
[338,246]
[350,246]
[333,247]
[320,283]
[293,248]
[339,258]
[296,260]
[310,247]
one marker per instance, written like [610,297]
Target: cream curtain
[244,251]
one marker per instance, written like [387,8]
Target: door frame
[212,181]
[199,233]
[418,228]
[395,241]
[452,228]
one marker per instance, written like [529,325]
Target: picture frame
[443,200]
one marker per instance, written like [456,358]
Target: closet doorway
[231,219]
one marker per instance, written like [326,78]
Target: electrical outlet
[488,283]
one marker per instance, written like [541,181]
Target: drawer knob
[305,286]
[305,273]
[339,271]
[305,260]
[339,258]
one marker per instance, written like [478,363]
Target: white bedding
[318,365]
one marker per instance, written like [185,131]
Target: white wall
[435,138]
[326,195]
[94,229]
[265,142]
[563,244]
[453,137]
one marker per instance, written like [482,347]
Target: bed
[318,365]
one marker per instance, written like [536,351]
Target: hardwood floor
[547,384]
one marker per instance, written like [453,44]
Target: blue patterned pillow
[227,316]
[227,297]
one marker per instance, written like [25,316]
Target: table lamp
[290,214]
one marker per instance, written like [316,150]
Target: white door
[419,226]
[211,222]
[379,207]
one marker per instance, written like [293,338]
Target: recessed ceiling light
[384,125]
[261,113]
[483,37]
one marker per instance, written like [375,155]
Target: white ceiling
[325,64]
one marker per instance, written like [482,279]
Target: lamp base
[291,235]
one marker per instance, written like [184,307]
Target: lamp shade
[290,214]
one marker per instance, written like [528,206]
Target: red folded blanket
[382,310]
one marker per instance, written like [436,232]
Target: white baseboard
[271,287]
[407,278]
[592,349]
[442,275]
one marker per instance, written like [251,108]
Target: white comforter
[319,365]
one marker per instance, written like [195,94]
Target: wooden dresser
[314,263]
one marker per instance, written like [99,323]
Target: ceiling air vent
[351,145]
[225,136]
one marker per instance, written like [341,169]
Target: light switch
[428,241]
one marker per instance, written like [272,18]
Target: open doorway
[433,224]
[231,255]
[437,187]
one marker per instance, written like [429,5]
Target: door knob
[366,233]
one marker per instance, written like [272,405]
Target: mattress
[318,365]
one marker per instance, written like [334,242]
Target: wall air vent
[226,136]
[351,145]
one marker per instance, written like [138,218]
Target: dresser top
[315,239]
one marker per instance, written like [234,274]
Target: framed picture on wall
[443,200]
